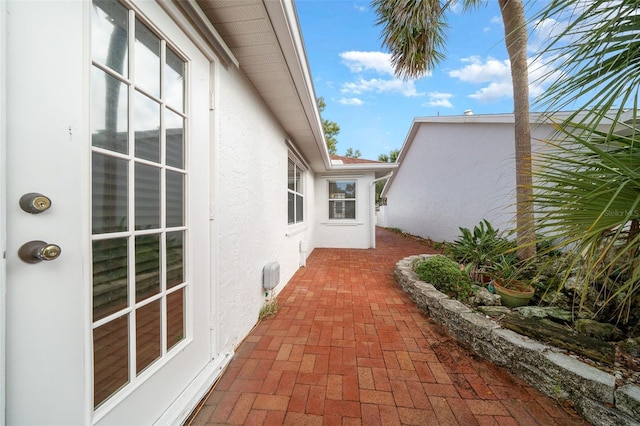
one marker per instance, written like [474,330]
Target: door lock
[34,203]
[37,251]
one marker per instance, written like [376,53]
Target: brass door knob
[34,203]
[37,251]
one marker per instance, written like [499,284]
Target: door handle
[34,203]
[37,251]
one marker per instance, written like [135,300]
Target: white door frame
[3,207]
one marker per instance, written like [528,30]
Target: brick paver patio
[348,347]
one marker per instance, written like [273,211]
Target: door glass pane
[109,277]
[147,127]
[110,359]
[175,139]
[175,198]
[175,317]
[147,196]
[147,62]
[147,266]
[109,112]
[147,335]
[109,194]
[174,81]
[175,258]
[109,35]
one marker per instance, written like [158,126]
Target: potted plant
[508,284]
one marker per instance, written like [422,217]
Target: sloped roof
[263,38]
[339,159]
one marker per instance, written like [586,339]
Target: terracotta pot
[518,294]
[483,278]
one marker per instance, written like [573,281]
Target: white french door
[110,122]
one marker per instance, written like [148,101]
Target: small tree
[330,129]
[392,157]
[389,158]
[353,154]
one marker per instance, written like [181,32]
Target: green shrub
[479,247]
[445,275]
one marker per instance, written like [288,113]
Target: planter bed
[594,393]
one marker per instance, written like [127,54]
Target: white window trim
[297,227]
[346,221]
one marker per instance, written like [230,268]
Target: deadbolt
[34,203]
[37,251]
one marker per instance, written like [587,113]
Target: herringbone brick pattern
[348,347]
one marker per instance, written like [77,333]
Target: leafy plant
[445,275]
[589,183]
[479,247]
[588,198]
[508,270]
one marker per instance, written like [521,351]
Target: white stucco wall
[250,178]
[456,174]
[344,233]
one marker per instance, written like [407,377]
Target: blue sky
[374,109]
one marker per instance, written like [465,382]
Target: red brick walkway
[348,347]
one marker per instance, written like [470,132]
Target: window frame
[298,191]
[343,201]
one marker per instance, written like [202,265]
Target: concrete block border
[593,392]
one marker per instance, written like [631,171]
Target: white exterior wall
[344,233]
[454,175]
[251,206]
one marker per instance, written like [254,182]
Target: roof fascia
[284,20]
[379,169]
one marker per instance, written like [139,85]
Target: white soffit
[262,44]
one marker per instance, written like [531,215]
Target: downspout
[372,218]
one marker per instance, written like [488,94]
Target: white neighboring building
[181,149]
[455,171]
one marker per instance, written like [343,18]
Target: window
[295,192]
[342,199]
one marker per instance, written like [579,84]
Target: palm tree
[414,33]
[588,180]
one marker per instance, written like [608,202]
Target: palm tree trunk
[515,31]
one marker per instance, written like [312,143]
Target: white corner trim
[183,406]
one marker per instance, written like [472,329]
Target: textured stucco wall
[344,233]
[250,180]
[456,174]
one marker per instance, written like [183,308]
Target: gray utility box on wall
[271,275]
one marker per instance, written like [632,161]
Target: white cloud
[496,19]
[437,99]
[406,88]
[479,71]
[493,92]
[358,62]
[351,101]
[495,76]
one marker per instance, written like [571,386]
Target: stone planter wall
[593,392]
